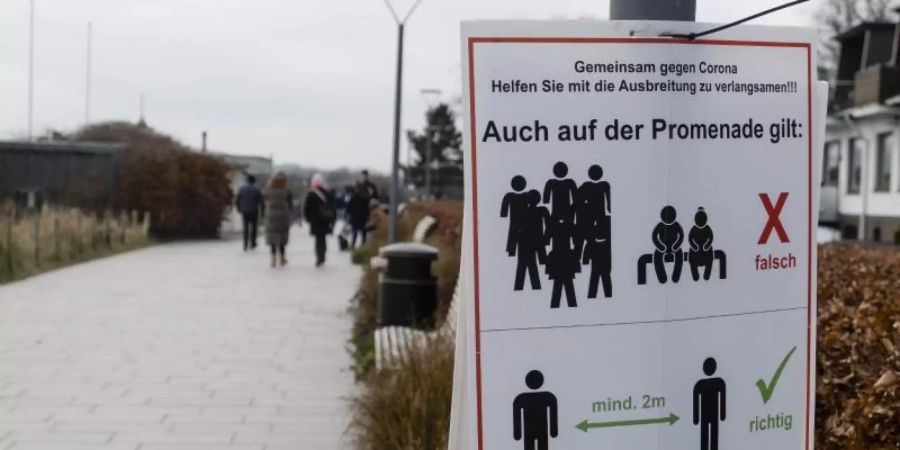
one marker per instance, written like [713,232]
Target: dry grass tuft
[35,242]
[407,407]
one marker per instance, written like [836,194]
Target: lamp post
[431,97]
[395,161]
[87,82]
[31,75]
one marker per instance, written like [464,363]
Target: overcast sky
[306,81]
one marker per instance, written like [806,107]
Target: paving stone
[180,346]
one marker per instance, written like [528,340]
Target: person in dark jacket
[279,201]
[358,212]
[249,203]
[320,215]
[369,186]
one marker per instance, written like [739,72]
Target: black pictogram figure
[575,224]
[561,193]
[701,253]
[564,260]
[709,406]
[531,247]
[667,238]
[535,414]
[593,224]
[513,206]
[525,238]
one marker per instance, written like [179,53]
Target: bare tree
[837,16]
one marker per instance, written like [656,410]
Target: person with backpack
[320,214]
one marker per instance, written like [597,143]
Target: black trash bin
[408,290]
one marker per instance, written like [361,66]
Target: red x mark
[774,222]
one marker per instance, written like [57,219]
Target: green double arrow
[585,425]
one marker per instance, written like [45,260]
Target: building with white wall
[861,160]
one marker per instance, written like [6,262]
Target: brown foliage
[857,396]
[407,406]
[185,192]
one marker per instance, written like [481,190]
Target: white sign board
[639,237]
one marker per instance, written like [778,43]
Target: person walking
[279,202]
[369,186]
[250,204]
[320,215]
[358,211]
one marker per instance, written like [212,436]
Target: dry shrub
[407,407]
[857,397]
[185,192]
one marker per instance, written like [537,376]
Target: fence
[36,240]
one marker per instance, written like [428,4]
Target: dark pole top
[682,10]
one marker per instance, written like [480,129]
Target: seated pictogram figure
[701,253]
[535,415]
[667,238]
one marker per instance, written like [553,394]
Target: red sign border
[623,40]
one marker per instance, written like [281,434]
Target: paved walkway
[181,346]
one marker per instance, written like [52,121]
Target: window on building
[831,163]
[883,162]
[854,165]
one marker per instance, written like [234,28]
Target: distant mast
[141,122]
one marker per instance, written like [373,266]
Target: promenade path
[188,346]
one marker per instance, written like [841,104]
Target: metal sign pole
[684,10]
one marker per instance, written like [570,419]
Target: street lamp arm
[393,12]
[397,16]
[411,10]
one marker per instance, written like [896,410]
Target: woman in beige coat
[279,203]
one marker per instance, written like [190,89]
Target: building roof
[91,148]
[246,163]
[858,30]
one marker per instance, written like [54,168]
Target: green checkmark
[766,391]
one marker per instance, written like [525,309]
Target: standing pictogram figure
[513,206]
[593,225]
[561,193]
[563,263]
[535,414]
[701,253]
[709,406]
[564,259]
[525,239]
[667,238]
